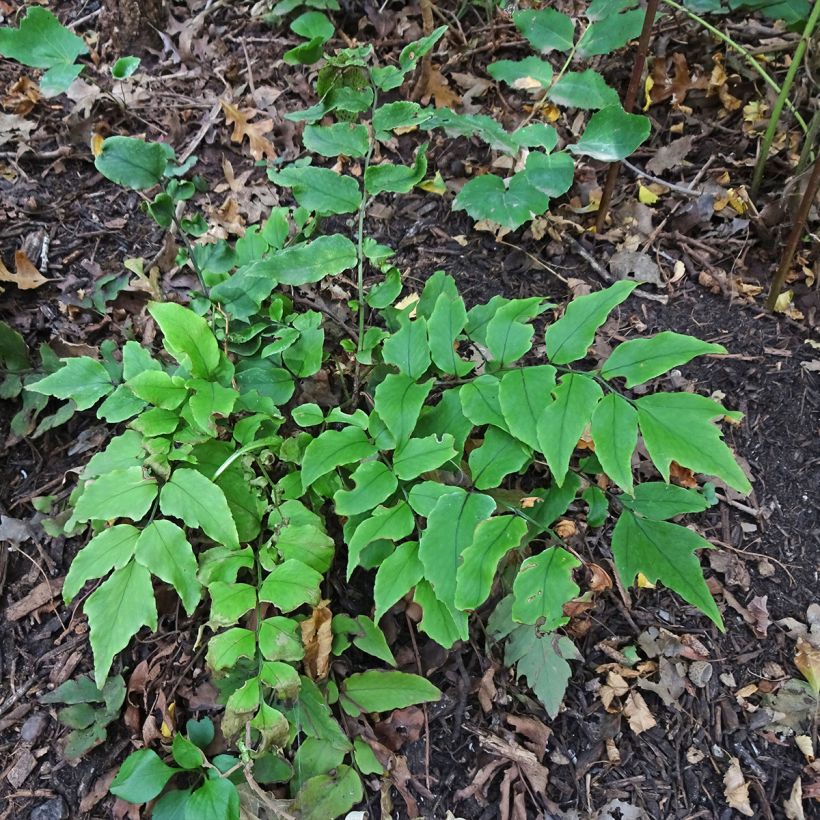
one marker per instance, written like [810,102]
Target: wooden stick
[796,233]
[629,104]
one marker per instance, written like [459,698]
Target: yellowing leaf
[434,186]
[646,195]
[647,90]
[783,301]
[97,141]
[807,660]
[643,582]
[242,128]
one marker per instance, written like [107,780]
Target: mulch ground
[705,691]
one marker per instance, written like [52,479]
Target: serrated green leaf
[546,29]
[639,360]
[443,623]
[679,427]
[187,337]
[321,190]
[663,552]
[450,530]
[522,395]
[329,795]
[563,421]
[229,602]
[396,179]
[396,576]
[82,379]
[199,502]
[498,456]
[131,162]
[612,33]
[374,483]
[377,691]
[158,388]
[164,550]
[524,75]
[611,134]
[215,799]
[332,449]
[345,139]
[225,649]
[542,660]
[118,494]
[408,348]
[542,587]
[110,549]
[615,433]
[385,523]
[569,337]
[141,777]
[398,401]
[291,584]
[583,89]
[659,501]
[116,610]
[492,540]
[420,455]
[509,205]
[509,336]
[447,320]
[480,402]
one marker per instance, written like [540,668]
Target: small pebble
[33,728]
[54,809]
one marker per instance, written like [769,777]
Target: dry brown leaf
[534,730]
[260,146]
[793,806]
[317,638]
[760,615]
[600,579]
[677,86]
[487,690]
[670,156]
[736,789]
[638,714]
[615,687]
[26,277]
[565,528]
[682,475]
[22,96]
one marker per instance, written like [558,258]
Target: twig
[412,630]
[686,190]
[629,104]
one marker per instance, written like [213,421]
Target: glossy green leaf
[158,388]
[679,427]
[583,89]
[164,550]
[141,777]
[110,549]
[319,189]
[537,135]
[225,649]
[546,29]
[420,455]
[398,401]
[210,399]
[305,53]
[308,543]
[612,33]
[396,179]
[597,506]
[480,401]
[82,379]
[377,691]
[374,483]
[186,754]
[569,337]
[413,52]
[116,610]
[663,552]
[509,334]
[399,114]
[229,602]
[313,24]
[450,530]
[197,501]
[385,523]
[41,41]
[447,320]
[408,348]
[611,134]
[492,540]
[345,139]
[639,360]
[280,639]
[442,622]
[332,449]
[542,587]
[509,205]
[551,174]
[124,67]
[563,421]
[187,337]
[522,396]
[291,584]
[499,455]
[524,75]
[216,799]
[659,501]
[131,162]
[396,576]
[118,494]
[615,433]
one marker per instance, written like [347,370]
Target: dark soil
[769,544]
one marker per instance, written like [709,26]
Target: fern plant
[232,487]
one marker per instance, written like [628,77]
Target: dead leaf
[487,690]
[534,730]
[403,726]
[98,791]
[565,528]
[793,806]
[670,156]
[677,86]
[22,96]
[615,687]
[736,789]
[682,475]
[14,128]
[638,714]
[807,660]
[42,594]
[635,265]
[317,638]
[260,146]
[26,277]
[600,579]
[760,614]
